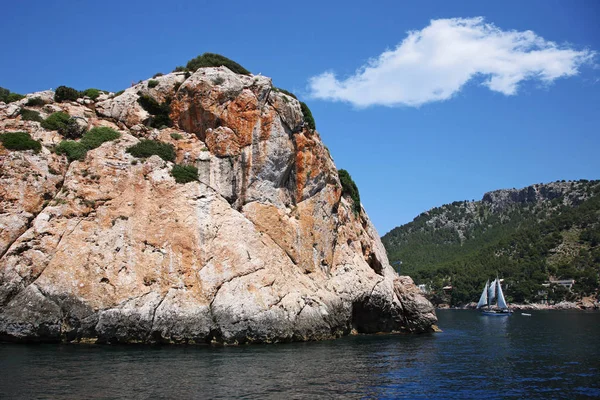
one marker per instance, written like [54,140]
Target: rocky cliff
[262,247]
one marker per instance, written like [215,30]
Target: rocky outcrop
[500,200]
[262,248]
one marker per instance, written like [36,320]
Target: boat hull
[497,313]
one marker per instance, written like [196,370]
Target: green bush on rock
[65,93]
[160,112]
[308,117]
[30,115]
[349,188]
[90,140]
[146,148]
[91,93]
[19,141]
[65,125]
[8,97]
[56,121]
[276,89]
[73,129]
[73,150]
[152,84]
[215,60]
[35,102]
[98,135]
[184,173]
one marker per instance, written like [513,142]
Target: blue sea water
[552,354]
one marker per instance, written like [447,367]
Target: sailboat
[490,293]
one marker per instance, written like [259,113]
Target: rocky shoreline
[583,305]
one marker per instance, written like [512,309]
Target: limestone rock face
[262,248]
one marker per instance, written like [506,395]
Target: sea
[550,354]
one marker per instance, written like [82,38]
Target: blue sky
[412,137]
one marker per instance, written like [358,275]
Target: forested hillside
[526,236]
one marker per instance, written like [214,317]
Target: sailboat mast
[488,296]
[498,291]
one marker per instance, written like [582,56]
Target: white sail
[501,300]
[483,298]
[492,291]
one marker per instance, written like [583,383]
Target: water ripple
[476,357]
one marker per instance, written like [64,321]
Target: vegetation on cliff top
[65,93]
[214,60]
[8,97]
[308,117]
[35,102]
[349,188]
[286,92]
[526,241]
[91,93]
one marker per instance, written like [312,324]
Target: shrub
[72,129]
[308,117]
[349,188]
[4,94]
[14,97]
[147,148]
[35,102]
[160,112]
[180,68]
[152,83]
[73,150]
[149,104]
[91,93]
[90,140]
[19,141]
[65,93]
[30,115]
[176,86]
[156,75]
[8,97]
[176,136]
[98,135]
[56,121]
[218,80]
[215,60]
[184,173]
[276,89]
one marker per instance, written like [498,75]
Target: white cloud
[434,63]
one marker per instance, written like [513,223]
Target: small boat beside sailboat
[493,292]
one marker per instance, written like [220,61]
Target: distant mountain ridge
[528,236]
